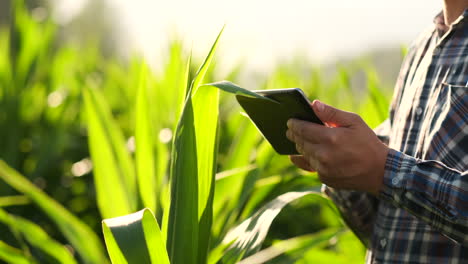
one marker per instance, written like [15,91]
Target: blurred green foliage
[44,136]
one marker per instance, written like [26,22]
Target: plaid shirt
[421,214]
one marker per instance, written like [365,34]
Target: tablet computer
[271,116]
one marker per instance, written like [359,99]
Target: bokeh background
[346,53]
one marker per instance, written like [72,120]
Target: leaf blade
[113,179]
[144,154]
[72,228]
[249,235]
[233,88]
[182,230]
[12,255]
[37,237]
[135,238]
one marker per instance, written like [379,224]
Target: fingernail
[289,123]
[319,105]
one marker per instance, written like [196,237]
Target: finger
[308,131]
[305,147]
[300,148]
[290,135]
[333,116]
[301,162]
[313,163]
[308,148]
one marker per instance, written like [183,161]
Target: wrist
[379,171]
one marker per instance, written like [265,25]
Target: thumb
[333,116]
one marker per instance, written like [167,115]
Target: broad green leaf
[37,237]
[144,153]
[114,174]
[115,254]
[80,236]
[135,238]
[205,107]
[206,110]
[251,233]
[154,239]
[166,196]
[13,255]
[182,231]
[205,104]
[193,172]
[300,243]
[200,75]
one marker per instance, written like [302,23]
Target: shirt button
[395,181]
[383,242]
[437,50]
[419,111]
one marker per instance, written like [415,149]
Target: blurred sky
[260,31]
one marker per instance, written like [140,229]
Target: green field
[85,137]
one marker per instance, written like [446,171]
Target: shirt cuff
[398,169]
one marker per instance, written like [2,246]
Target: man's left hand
[346,153]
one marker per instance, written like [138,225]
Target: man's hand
[346,153]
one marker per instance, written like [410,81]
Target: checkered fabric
[421,214]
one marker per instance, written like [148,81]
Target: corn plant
[188,216]
[209,197]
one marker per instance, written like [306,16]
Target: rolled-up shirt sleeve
[430,191]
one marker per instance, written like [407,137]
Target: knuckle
[333,137]
[322,157]
[331,114]
[308,148]
[356,117]
[302,130]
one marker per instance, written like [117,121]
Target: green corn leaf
[81,237]
[144,154]
[205,104]
[185,88]
[217,253]
[237,90]
[193,172]
[182,230]
[37,237]
[13,255]
[200,75]
[166,196]
[300,243]
[13,200]
[114,174]
[250,235]
[135,238]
